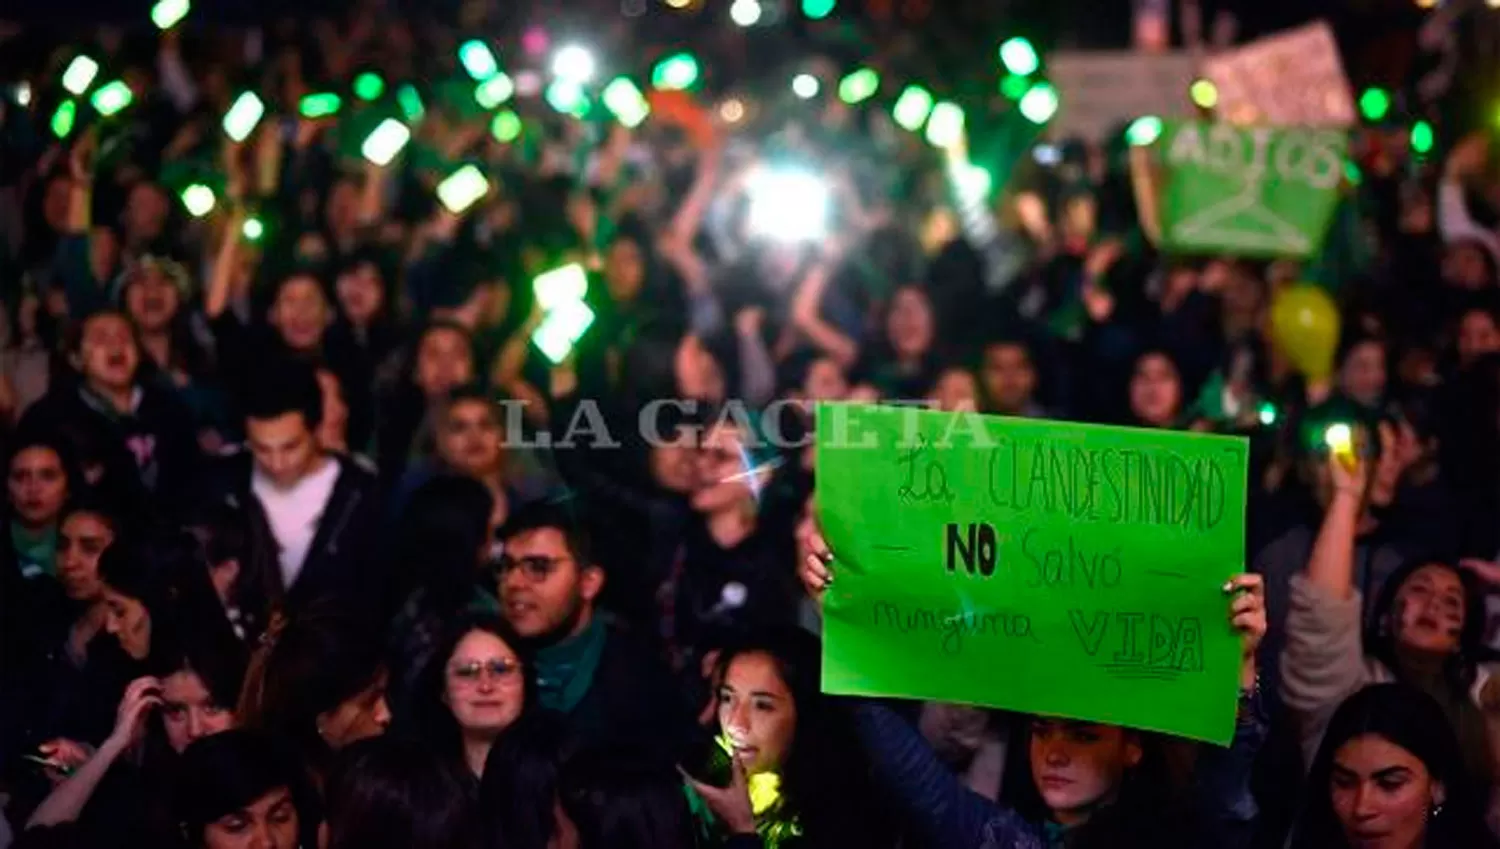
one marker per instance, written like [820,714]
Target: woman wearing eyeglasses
[476,686]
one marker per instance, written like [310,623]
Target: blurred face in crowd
[107,353]
[1362,375]
[55,203]
[300,313]
[37,486]
[445,361]
[484,686]
[954,391]
[1427,615]
[104,252]
[469,438]
[270,822]
[1077,766]
[188,710]
[1009,378]
[757,712]
[359,717]
[127,620]
[343,206]
[909,326]
[1155,391]
[146,209]
[284,448]
[724,479]
[624,270]
[1477,336]
[825,381]
[1465,266]
[544,590]
[361,293]
[698,373]
[152,300]
[81,539]
[333,429]
[1382,794]
[674,462]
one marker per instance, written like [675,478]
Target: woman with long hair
[807,780]
[1425,631]
[123,788]
[1390,774]
[908,342]
[318,682]
[475,689]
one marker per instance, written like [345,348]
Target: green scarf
[36,553]
[565,671]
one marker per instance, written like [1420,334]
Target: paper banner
[1043,567]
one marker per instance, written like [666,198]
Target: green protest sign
[1249,191]
[1043,567]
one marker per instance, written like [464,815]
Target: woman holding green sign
[1092,785]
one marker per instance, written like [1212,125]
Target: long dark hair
[625,799]
[1408,718]
[1459,669]
[432,717]
[388,793]
[311,665]
[438,541]
[519,793]
[226,772]
[825,779]
[165,576]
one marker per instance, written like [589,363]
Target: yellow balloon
[1305,329]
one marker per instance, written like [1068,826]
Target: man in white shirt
[311,516]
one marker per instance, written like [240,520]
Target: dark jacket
[153,446]
[342,563]
[633,698]
[946,814]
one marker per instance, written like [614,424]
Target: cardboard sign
[1294,78]
[1044,567]
[1102,90]
[1258,192]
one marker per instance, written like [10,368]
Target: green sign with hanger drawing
[1249,191]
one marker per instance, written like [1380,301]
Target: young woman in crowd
[474,690]
[1427,622]
[788,746]
[1155,391]
[388,793]
[1092,784]
[1389,773]
[241,789]
[122,789]
[442,360]
[40,477]
[153,598]
[909,333]
[318,683]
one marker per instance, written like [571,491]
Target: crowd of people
[307,543]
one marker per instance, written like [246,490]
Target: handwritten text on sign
[1044,567]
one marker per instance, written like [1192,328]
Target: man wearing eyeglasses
[603,677]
